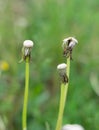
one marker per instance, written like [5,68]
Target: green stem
[24,115]
[63,95]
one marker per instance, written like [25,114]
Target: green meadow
[47,23]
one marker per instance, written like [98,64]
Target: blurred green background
[47,23]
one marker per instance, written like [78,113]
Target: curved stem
[24,115]
[63,95]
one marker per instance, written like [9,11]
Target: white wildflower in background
[72,127]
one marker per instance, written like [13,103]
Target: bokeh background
[47,23]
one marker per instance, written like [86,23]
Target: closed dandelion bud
[72,127]
[68,45]
[27,45]
[62,72]
[62,68]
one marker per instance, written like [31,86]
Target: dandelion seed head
[70,41]
[28,43]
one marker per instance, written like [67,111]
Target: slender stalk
[24,115]
[68,66]
[47,126]
[63,95]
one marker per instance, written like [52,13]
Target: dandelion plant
[64,71]
[26,56]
